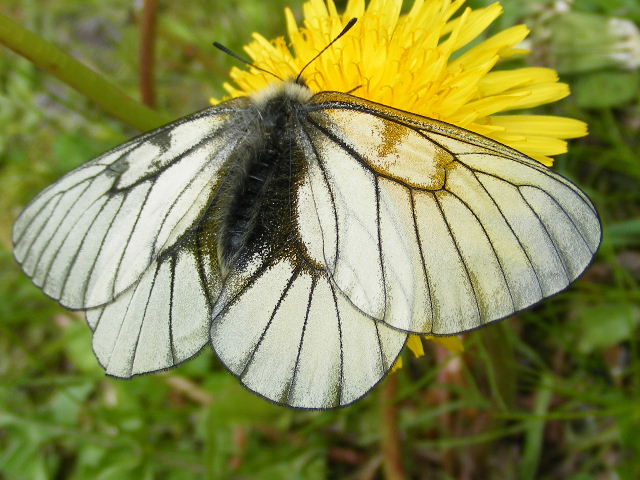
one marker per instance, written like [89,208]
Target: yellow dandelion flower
[420,62]
[414,343]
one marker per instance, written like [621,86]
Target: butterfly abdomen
[259,190]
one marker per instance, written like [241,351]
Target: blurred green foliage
[553,393]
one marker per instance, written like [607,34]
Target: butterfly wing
[302,343]
[434,229]
[164,318]
[91,235]
[130,237]
[288,334]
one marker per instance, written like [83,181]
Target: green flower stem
[53,60]
[391,443]
[146,50]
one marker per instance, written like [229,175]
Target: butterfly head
[293,90]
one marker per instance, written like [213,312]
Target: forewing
[284,329]
[91,235]
[433,229]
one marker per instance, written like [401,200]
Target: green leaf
[624,233]
[605,325]
[605,89]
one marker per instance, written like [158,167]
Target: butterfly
[304,236]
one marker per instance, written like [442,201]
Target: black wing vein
[71,229]
[172,280]
[296,365]
[131,232]
[57,229]
[422,260]
[515,235]
[44,225]
[341,381]
[566,214]
[95,258]
[549,236]
[493,250]
[255,348]
[383,361]
[134,350]
[379,241]
[331,195]
[464,264]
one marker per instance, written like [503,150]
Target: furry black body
[258,193]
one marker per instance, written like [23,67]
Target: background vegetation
[552,394]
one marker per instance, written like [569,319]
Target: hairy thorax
[258,195]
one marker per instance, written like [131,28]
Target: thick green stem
[53,60]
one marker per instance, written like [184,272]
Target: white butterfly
[303,236]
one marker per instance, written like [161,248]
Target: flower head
[423,62]
[578,42]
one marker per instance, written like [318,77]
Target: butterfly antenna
[219,46]
[346,28]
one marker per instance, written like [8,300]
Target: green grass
[553,393]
